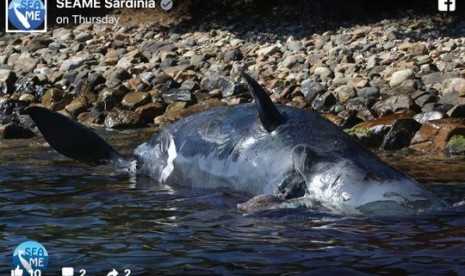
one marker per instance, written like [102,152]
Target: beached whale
[287,153]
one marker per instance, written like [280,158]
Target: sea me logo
[26,16]
[29,258]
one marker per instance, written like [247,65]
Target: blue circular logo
[30,256]
[26,15]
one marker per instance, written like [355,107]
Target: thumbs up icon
[17,271]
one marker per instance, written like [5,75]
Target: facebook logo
[446,5]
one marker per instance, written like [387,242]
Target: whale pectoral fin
[72,139]
[267,111]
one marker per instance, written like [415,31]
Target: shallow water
[98,219]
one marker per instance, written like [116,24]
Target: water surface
[99,219]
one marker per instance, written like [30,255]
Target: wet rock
[14,131]
[400,76]
[109,98]
[149,111]
[56,99]
[371,137]
[434,135]
[91,118]
[78,105]
[174,111]
[456,146]
[310,89]
[400,134]
[428,116]
[176,94]
[394,104]
[136,99]
[123,119]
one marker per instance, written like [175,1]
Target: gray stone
[177,95]
[366,92]
[400,76]
[311,89]
[394,104]
[225,85]
[83,37]
[123,119]
[428,116]
[268,50]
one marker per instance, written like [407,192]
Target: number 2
[127,271]
[83,272]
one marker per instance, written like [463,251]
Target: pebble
[400,76]
[112,76]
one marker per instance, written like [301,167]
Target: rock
[62,34]
[227,87]
[268,50]
[78,105]
[26,62]
[456,146]
[115,76]
[174,111]
[394,104]
[73,63]
[7,81]
[91,118]
[289,61]
[173,71]
[322,103]
[428,116]
[344,93]
[176,94]
[371,137]
[311,89]
[14,131]
[83,37]
[136,99]
[400,76]
[455,85]
[123,119]
[400,134]
[434,135]
[457,111]
[56,99]
[418,49]
[368,92]
[149,111]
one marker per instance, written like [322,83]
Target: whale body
[290,154]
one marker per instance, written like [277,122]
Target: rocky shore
[392,84]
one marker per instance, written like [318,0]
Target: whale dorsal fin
[267,111]
[72,139]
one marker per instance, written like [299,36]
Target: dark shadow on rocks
[305,17]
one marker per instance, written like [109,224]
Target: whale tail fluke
[72,139]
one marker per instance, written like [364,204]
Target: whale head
[323,166]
